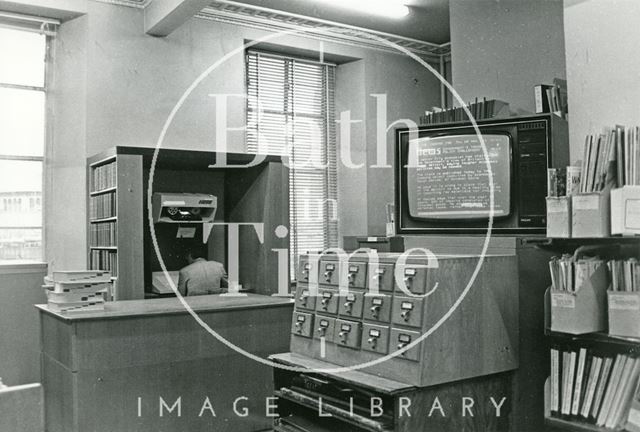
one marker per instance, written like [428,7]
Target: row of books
[625,275]
[102,206]
[593,387]
[568,274]
[484,109]
[611,159]
[103,234]
[552,98]
[74,291]
[103,177]
[105,260]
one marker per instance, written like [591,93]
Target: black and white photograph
[319,215]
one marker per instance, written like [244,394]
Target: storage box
[624,313]
[625,210]
[582,311]
[590,215]
[559,217]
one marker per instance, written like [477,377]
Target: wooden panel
[22,408]
[130,284]
[57,339]
[59,396]
[266,201]
[165,339]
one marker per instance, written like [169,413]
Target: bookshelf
[599,345]
[114,221]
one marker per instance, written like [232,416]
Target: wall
[127,83]
[502,48]
[602,67]
[20,289]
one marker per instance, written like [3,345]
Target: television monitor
[442,178]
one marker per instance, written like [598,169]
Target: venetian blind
[290,111]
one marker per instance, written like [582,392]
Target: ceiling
[428,20]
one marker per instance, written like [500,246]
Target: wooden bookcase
[600,341]
[116,179]
[258,193]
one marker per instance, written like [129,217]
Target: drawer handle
[373,342]
[327,276]
[299,327]
[375,310]
[405,314]
[322,330]
[343,336]
[400,346]
[325,302]
[348,305]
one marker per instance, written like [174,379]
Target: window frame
[329,229]
[35,265]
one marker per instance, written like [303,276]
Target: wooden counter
[108,370]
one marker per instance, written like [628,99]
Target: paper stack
[73,291]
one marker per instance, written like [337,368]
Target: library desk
[113,370]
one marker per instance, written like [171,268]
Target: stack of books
[480,109]
[593,387]
[73,291]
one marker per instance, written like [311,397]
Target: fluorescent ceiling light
[386,8]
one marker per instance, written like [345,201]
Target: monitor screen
[447,176]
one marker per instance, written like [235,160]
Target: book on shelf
[103,234]
[590,386]
[551,98]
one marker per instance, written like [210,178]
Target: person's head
[194,252]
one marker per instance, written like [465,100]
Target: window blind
[290,111]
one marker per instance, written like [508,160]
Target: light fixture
[386,8]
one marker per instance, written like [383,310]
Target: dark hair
[197,250]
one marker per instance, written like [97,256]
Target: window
[290,111]
[22,138]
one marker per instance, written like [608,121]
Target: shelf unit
[255,193]
[114,223]
[600,341]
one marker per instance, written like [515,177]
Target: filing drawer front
[375,338]
[350,304]
[327,301]
[383,275]
[304,299]
[356,274]
[329,273]
[400,338]
[324,327]
[415,278]
[377,308]
[407,311]
[305,269]
[347,333]
[302,324]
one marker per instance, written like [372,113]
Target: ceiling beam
[161,17]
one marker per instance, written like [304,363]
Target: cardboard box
[582,311]
[624,313]
[590,215]
[559,217]
[625,211]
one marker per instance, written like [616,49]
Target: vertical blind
[290,112]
